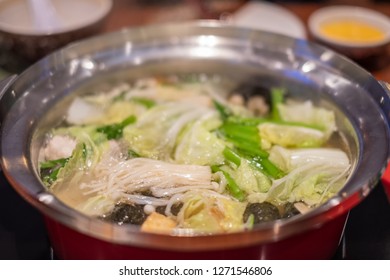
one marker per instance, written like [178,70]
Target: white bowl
[17,16]
[33,35]
[371,54]
[354,15]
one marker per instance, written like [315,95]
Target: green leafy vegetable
[313,175]
[49,169]
[97,205]
[51,164]
[158,129]
[291,135]
[148,103]
[115,131]
[306,113]
[249,179]
[211,214]
[85,156]
[190,147]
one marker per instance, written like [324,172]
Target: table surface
[367,234]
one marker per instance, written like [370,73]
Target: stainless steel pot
[36,100]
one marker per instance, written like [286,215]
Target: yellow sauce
[352,31]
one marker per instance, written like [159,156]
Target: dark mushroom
[127,214]
[174,209]
[262,212]
[289,211]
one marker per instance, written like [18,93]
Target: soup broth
[179,154]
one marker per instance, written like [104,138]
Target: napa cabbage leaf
[77,170]
[84,111]
[97,205]
[198,145]
[210,214]
[81,133]
[291,135]
[156,131]
[314,175]
[307,113]
[249,179]
[297,124]
[119,111]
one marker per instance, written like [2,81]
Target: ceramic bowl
[360,33]
[31,36]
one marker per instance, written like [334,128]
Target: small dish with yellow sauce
[357,32]
[352,31]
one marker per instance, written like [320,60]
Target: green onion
[277,97]
[232,186]
[250,149]
[244,138]
[246,121]
[240,132]
[223,111]
[231,156]
[267,167]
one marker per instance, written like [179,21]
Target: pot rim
[20,171]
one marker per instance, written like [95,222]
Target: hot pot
[36,100]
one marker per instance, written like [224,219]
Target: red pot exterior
[386,181]
[319,243]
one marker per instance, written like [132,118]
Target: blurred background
[24,38]
[367,233]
